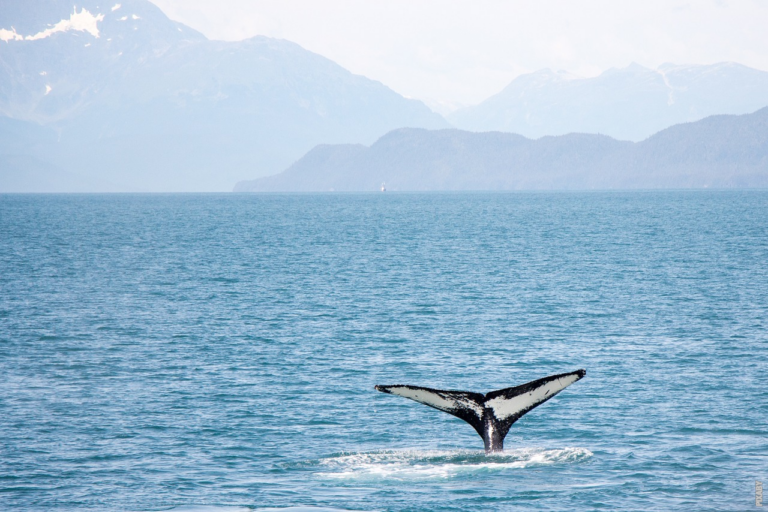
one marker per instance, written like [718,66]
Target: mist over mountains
[118,97]
[627,104]
[102,97]
[716,152]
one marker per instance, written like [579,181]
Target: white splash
[115,7]
[123,18]
[429,465]
[211,508]
[48,89]
[82,21]
[43,73]
[135,17]
[10,35]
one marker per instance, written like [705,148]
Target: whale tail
[492,414]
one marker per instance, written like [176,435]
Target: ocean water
[219,352]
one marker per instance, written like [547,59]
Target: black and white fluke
[492,414]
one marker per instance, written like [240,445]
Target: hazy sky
[462,51]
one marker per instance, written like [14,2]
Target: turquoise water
[181,351]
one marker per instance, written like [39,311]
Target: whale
[491,414]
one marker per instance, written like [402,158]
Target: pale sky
[459,52]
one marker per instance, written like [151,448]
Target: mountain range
[99,97]
[627,104]
[119,97]
[721,151]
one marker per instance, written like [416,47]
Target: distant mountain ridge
[144,103]
[627,104]
[117,97]
[717,152]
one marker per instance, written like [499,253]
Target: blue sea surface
[219,352]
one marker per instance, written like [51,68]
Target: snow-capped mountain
[629,104]
[145,103]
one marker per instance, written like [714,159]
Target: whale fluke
[492,414]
